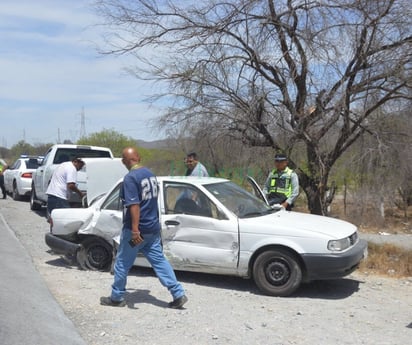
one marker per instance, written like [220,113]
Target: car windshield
[237,200]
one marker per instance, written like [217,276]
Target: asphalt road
[29,314]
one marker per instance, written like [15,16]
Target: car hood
[99,174]
[298,224]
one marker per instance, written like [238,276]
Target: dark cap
[280,157]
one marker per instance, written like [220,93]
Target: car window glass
[187,199]
[113,201]
[46,157]
[15,165]
[239,201]
[32,163]
[67,154]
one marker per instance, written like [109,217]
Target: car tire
[277,272]
[96,254]
[34,205]
[15,192]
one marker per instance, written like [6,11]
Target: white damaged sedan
[212,225]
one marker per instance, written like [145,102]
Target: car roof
[74,146]
[192,179]
[26,157]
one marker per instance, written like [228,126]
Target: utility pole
[59,140]
[82,124]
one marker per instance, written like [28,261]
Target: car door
[39,180]
[257,191]
[196,234]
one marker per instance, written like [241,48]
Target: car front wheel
[277,272]
[34,206]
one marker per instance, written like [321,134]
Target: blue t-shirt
[140,187]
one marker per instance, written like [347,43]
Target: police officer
[3,166]
[282,184]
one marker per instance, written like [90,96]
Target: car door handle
[171,222]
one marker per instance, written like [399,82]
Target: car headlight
[339,245]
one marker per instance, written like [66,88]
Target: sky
[52,77]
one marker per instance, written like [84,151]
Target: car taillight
[26,175]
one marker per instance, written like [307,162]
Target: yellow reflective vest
[281,182]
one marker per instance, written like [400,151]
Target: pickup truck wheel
[15,193]
[34,206]
[95,254]
[277,272]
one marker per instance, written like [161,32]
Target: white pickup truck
[56,155]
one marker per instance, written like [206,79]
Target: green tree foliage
[162,162]
[108,138]
[24,148]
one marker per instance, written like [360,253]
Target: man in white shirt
[194,167]
[64,179]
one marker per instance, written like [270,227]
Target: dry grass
[369,220]
[387,259]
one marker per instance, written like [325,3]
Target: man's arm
[135,219]
[72,186]
[294,180]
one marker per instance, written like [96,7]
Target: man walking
[141,233]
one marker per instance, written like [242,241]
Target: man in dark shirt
[141,233]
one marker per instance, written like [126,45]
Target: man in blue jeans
[141,233]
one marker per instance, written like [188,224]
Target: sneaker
[178,302]
[109,302]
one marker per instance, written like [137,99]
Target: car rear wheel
[277,272]
[95,254]
[34,205]
[15,193]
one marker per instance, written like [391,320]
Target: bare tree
[277,74]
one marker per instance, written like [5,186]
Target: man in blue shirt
[141,233]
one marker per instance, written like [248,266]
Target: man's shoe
[109,302]
[178,302]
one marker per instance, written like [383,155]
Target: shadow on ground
[322,289]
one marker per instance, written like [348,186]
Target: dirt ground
[359,309]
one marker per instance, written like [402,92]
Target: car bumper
[336,265]
[24,186]
[60,245]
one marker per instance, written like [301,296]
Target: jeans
[55,202]
[3,188]
[152,250]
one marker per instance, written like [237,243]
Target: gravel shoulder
[360,309]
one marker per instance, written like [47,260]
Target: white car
[214,226]
[18,177]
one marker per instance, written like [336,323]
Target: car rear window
[32,163]
[65,155]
